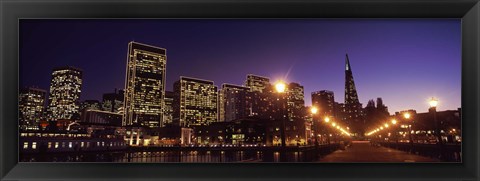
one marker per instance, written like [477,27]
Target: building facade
[324,100]
[195,102]
[295,101]
[257,83]
[144,85]
[65,89]
[232,102]
[31,106]
[168,111]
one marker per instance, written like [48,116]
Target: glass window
[34,145]
[25,145]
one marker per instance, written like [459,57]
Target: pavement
[365,152]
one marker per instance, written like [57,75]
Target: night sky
[404,61]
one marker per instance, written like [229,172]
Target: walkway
[364,152]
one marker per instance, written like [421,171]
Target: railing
[192,154]
[446,152]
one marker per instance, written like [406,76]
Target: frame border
[12,11]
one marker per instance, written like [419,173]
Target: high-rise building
[168,114]
[259,98]
[353,108]
[195,102]
[324,100]
[65,89]
[232,102]
[113,102]
[144,85]
[295,101]
[257,83]
[31,106]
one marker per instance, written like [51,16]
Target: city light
[394,121]
[406,115]
[433,102]
[314,110]
[280,86]
[327,119]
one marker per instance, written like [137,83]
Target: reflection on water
[168,156]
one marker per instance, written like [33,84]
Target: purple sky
[404,61]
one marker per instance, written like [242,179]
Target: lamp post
[327,119]
[314,111]
[395,129]
[410,139]
[280,88]
[433,108]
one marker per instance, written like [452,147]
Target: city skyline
[330,75]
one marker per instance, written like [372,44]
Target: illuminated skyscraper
[232,102]
[195,102]
[257,83]
[259,97]
[31,106]
[295,100]
[353,108]
[144,85]
[168,115]
[65,89]
[324,100]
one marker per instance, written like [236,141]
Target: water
[168,157]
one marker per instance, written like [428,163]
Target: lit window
[49,145]
[69,144]
[34,145]
[25,145]
[56,144]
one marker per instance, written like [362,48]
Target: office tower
[31,106]
[260,96]
[257,83]
[168,113]
[144,85]
[195,102]
[295,101]
[113,102]
[65,89]
[232,102]
[353,107]
[324,100]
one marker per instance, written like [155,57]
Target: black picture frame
[11,11]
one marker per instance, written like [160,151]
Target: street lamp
[410,139]
[433,108]
[280,87]
[314,111]
[395,129]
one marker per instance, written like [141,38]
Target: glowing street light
[433,102]
[333,124]
[314,110]
[394,121]
[280,87]
[406,115]
[386,125]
